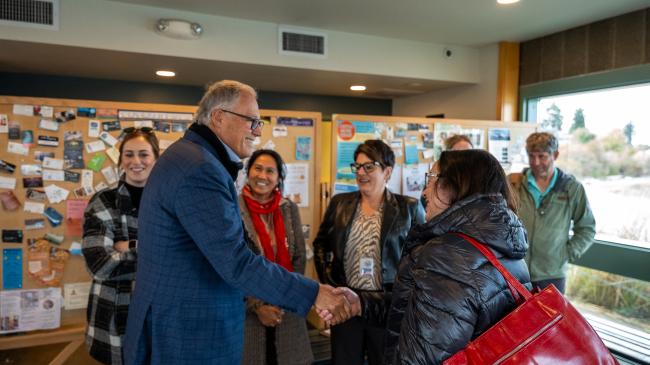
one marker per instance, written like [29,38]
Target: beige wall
[462,102]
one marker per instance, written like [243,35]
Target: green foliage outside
[629,299]
[599,157]
[554,120]
[578,120]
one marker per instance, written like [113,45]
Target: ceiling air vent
[296,41]
[43,14]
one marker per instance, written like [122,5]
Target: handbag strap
[516,288]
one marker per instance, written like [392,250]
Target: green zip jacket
[565,207]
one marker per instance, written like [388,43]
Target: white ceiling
[470,23]
[456,22]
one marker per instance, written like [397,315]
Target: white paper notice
[4,123]
[100,186]
[31,309]
[427,154]
[31,170]
[95,146]
[34,266]
[17,148]
[108,138]
[22,109]
[143,123]
[395,182]
[32,207]
[52,163]
[280,131]
[53,175]
[114,154]
[55,194]
[93,128]
[87,178]
[48,125]
[47,111]
[269,145]
[110,175]
[413,180]
[75,295]
[296,185]
[7,182]
[498,143]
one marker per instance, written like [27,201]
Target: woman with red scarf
[271,335]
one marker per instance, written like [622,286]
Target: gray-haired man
[551,204]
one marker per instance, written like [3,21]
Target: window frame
[607,256]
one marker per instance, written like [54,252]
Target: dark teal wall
[141,92]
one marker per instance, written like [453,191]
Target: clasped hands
[337,305]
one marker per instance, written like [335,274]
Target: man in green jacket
[551,204]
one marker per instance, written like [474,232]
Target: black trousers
[353,339]
[559,284]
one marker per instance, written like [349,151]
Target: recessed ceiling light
[165,73]
[507,2]
[358,88]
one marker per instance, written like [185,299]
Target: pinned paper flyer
[114,154]
[280,131]
[87,178]
[75,295]
[36,208]
[52,163]
[110,175]
[143,123]
[17,148]
[22,109]
[93,128]
[48,125]
[108,138]
[101,186]
[95,146]
[7,182]
[31,170]
[55,194]
[4,123]
[53,175]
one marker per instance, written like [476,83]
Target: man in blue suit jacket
[194,267]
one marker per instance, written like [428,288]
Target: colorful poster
[296,184]
[28,310]
[413,180]
[12,268]
[303,148]
[499,145]
[350,134]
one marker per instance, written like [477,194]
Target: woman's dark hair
[279,163]
[148,136]
[376,150]
[469,172]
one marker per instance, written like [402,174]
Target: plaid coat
[109,217]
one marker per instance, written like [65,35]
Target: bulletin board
[293,134]
[417,143]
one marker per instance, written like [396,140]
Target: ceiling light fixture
[507,2]
[165,73]
[358,88]
[179,29]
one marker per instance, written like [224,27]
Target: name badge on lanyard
[366,266]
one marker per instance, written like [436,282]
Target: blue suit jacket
[194,267]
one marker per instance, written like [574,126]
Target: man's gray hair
[542,141]
[221,94]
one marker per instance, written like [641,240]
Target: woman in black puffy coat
[446,292]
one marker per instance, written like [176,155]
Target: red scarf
[273,207]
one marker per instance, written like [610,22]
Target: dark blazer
[194,266]
[399,214]
[446,292]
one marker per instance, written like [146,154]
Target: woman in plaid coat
[110,236]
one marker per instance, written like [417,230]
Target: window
[605,142]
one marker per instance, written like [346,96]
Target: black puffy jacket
[446,292]
[399,214]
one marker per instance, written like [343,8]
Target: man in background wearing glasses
[194,267]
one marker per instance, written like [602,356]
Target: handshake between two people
[337,305]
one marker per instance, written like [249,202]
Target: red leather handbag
[544,328]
